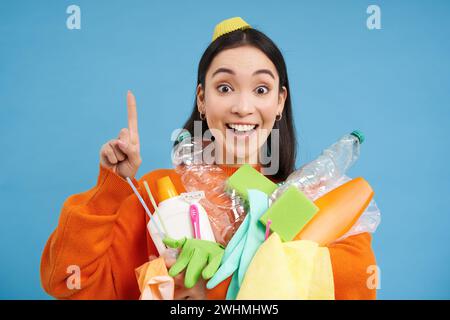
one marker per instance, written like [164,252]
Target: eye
[262,90]
[223,88]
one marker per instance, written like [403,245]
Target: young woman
[242,91]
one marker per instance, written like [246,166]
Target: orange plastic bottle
[339,210]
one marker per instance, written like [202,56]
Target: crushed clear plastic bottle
[225,209]
[325,170]
[328,172]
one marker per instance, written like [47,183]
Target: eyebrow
[226,70]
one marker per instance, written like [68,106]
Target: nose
[243,106]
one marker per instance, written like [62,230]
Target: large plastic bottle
[225,210]
[329,167]
[327,173]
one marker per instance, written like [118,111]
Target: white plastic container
[175,213]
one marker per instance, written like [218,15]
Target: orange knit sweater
[103,231]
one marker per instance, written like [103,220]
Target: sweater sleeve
[351,259]
[90,238]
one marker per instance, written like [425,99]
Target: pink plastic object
[193,210]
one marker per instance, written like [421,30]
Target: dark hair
[257,39]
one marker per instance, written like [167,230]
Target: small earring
[202,118]
[278,119]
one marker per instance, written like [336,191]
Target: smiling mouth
[242,129]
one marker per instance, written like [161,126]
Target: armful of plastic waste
[301,230]
[293,217]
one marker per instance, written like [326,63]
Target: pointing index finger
[132,118]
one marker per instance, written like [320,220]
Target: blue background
[63,95]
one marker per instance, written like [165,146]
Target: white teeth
[242,127]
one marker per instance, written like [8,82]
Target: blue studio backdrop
[62,94]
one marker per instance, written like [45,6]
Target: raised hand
[122,155]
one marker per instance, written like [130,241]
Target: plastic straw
[268,228]
[144,205]
[152,200]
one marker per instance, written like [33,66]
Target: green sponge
[247,177]
[290,213]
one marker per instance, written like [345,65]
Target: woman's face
[241,100]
